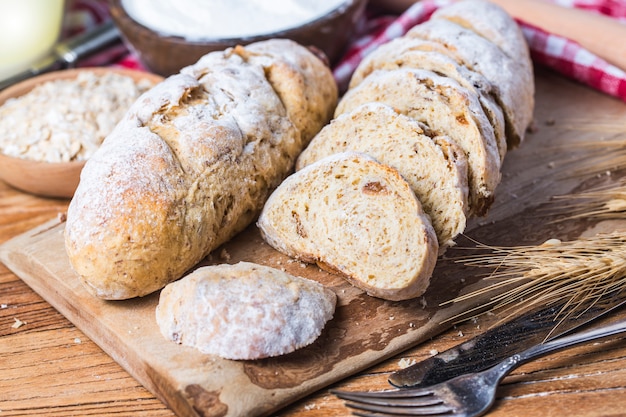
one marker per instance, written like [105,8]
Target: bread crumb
[310,406]
[77,340]
[406,362]
[461,334]
[433,352]
[302,265]
[3,306]
[423,302]
[18,323]
[224,255]
[392,317]
[411,324]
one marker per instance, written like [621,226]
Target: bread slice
[435,167]
[407,53]
[356,217]
[513,82]
[448,109]
[244,311]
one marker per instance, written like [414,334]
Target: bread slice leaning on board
[466,76]
[191,164]
[358,218]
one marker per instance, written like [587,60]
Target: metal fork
[467,395]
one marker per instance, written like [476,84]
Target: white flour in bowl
[197,20]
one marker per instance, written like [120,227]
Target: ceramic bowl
[166,55]
[49,179]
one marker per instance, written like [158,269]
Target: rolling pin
[601,35]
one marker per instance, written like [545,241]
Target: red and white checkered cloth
[560,54]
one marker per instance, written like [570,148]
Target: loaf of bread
[434,166]
[244,311]
[359,218]
[191,164]
[447,109]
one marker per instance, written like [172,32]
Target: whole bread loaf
[244,311]
[359,218]
[191,165]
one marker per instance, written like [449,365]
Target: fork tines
[405,402]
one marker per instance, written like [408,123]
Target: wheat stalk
[599,157]
[577,273]
[606,201]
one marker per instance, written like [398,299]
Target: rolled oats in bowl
[66,118]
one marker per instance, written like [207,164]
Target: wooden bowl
[50,179]
[166,55]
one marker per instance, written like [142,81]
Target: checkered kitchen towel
[560,54]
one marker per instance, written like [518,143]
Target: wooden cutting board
[364,330]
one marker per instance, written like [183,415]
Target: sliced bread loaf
[244,311]
[435,167]
[447,109]
[356,217]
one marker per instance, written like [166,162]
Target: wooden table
[49,367]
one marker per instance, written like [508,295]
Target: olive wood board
[365,330]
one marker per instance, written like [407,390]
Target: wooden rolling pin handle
[601,35]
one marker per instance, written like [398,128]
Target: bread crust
[188,167]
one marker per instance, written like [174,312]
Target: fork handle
[562,342]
